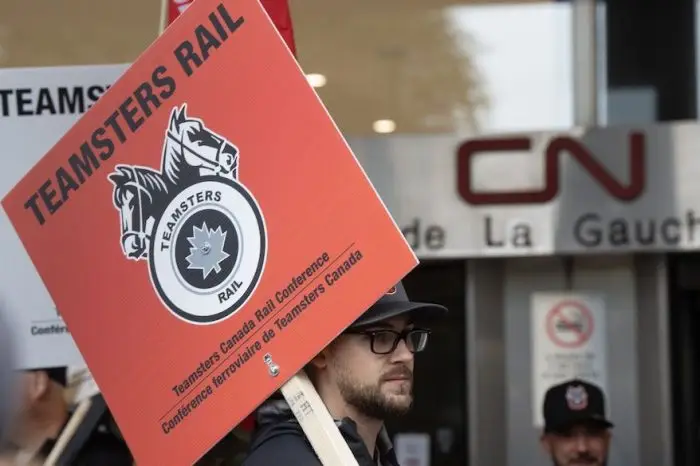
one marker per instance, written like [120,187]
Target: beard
[371,401]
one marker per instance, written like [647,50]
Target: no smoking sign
[570,324]
[568,340]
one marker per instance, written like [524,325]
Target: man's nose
[401,353]
[581,443]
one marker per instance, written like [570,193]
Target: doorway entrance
[684,295]
[438,419]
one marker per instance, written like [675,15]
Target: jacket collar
[277,412]
[384,448]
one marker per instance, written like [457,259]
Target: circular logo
[208,250]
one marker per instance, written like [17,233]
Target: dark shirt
[279,439]
[100,449]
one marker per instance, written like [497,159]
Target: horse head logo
[190,151]
[200,230]
[139,194]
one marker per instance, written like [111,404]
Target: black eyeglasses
[385,341]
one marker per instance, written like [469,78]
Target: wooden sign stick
[316,422]
[164,4]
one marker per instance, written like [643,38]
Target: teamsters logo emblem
[200,230]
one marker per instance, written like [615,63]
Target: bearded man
[363,377]
[576,430]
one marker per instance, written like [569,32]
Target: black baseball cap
[574,402]
[395,302]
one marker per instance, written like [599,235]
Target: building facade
[534,211]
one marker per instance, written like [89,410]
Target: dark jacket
[279,440]
[102,448]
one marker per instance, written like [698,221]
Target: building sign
[606,190]
[568,341]
[556,148]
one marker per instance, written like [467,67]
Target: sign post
[316,422]
[205,230]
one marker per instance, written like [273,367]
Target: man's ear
[320,361]
[38,384]
[544,443]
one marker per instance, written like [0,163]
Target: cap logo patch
[576,398]
[392,290]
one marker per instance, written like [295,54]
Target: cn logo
[556,148]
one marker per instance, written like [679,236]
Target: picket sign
[170,198]
[299,392]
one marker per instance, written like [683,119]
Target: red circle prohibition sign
[558,321]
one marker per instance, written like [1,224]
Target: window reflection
[439,66]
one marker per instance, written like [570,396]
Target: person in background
[42,411]
[363,377]
[576,431]
[43,415]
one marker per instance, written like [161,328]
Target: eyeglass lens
[386,341]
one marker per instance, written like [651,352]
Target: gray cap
[8,393]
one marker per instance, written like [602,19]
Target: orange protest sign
[205,230]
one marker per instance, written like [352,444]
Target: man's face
[579,445]
[377,385]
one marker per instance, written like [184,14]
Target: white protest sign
[37,106]
[568,341]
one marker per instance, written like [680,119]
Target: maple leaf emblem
[207,251]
